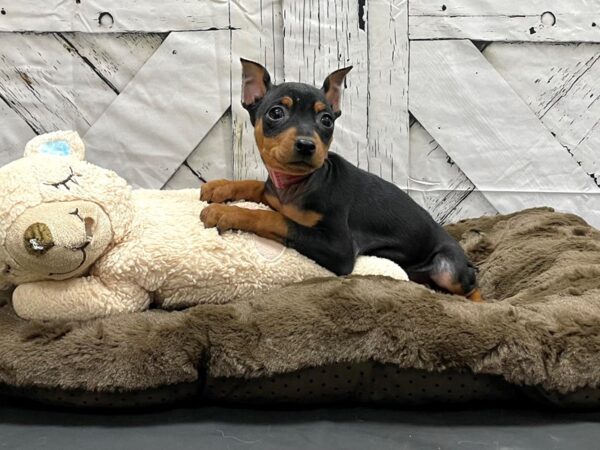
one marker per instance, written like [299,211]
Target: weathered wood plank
[319,38]
[114,16]
[499,129]
[387,29]
[14,134]
[115,58]
[48,85]
[211,159]
[166,110]
[56,81]
[508,20]
[437,183]
[258,37]
[152,16]
[31,15]
[560,85]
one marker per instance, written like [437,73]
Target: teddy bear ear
[66,144]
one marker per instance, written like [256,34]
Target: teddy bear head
[58,213]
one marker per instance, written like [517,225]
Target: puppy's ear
[256,81]
[333,89]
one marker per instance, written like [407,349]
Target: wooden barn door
[474,107]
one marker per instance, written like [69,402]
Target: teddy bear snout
[38,239]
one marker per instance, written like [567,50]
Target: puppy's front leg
[268,224]
[220,191]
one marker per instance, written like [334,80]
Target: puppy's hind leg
[452,272]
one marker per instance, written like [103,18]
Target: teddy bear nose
[38,239]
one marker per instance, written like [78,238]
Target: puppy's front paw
[223,217]
[217,191]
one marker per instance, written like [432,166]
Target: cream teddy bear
[79,243]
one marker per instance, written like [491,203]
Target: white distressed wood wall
[472,106]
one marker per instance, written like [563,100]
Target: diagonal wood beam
[165,110]
[493,136]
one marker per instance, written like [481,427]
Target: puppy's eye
[326,121]
[276,113]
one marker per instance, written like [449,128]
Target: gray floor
[333,428]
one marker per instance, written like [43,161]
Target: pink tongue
[283,180]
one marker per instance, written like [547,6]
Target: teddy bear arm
[77,299]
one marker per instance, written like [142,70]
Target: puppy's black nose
[305,146]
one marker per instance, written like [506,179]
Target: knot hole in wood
[548,18]
[105,19]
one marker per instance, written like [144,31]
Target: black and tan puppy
[326,208]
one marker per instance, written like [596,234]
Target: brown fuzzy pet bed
[353,339]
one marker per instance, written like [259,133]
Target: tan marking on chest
[292,212]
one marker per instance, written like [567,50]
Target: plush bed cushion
[358,338]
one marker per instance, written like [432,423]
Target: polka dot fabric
[367,382]
[372,383]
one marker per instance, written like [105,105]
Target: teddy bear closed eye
[78,242]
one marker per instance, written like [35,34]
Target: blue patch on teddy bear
[56,148]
